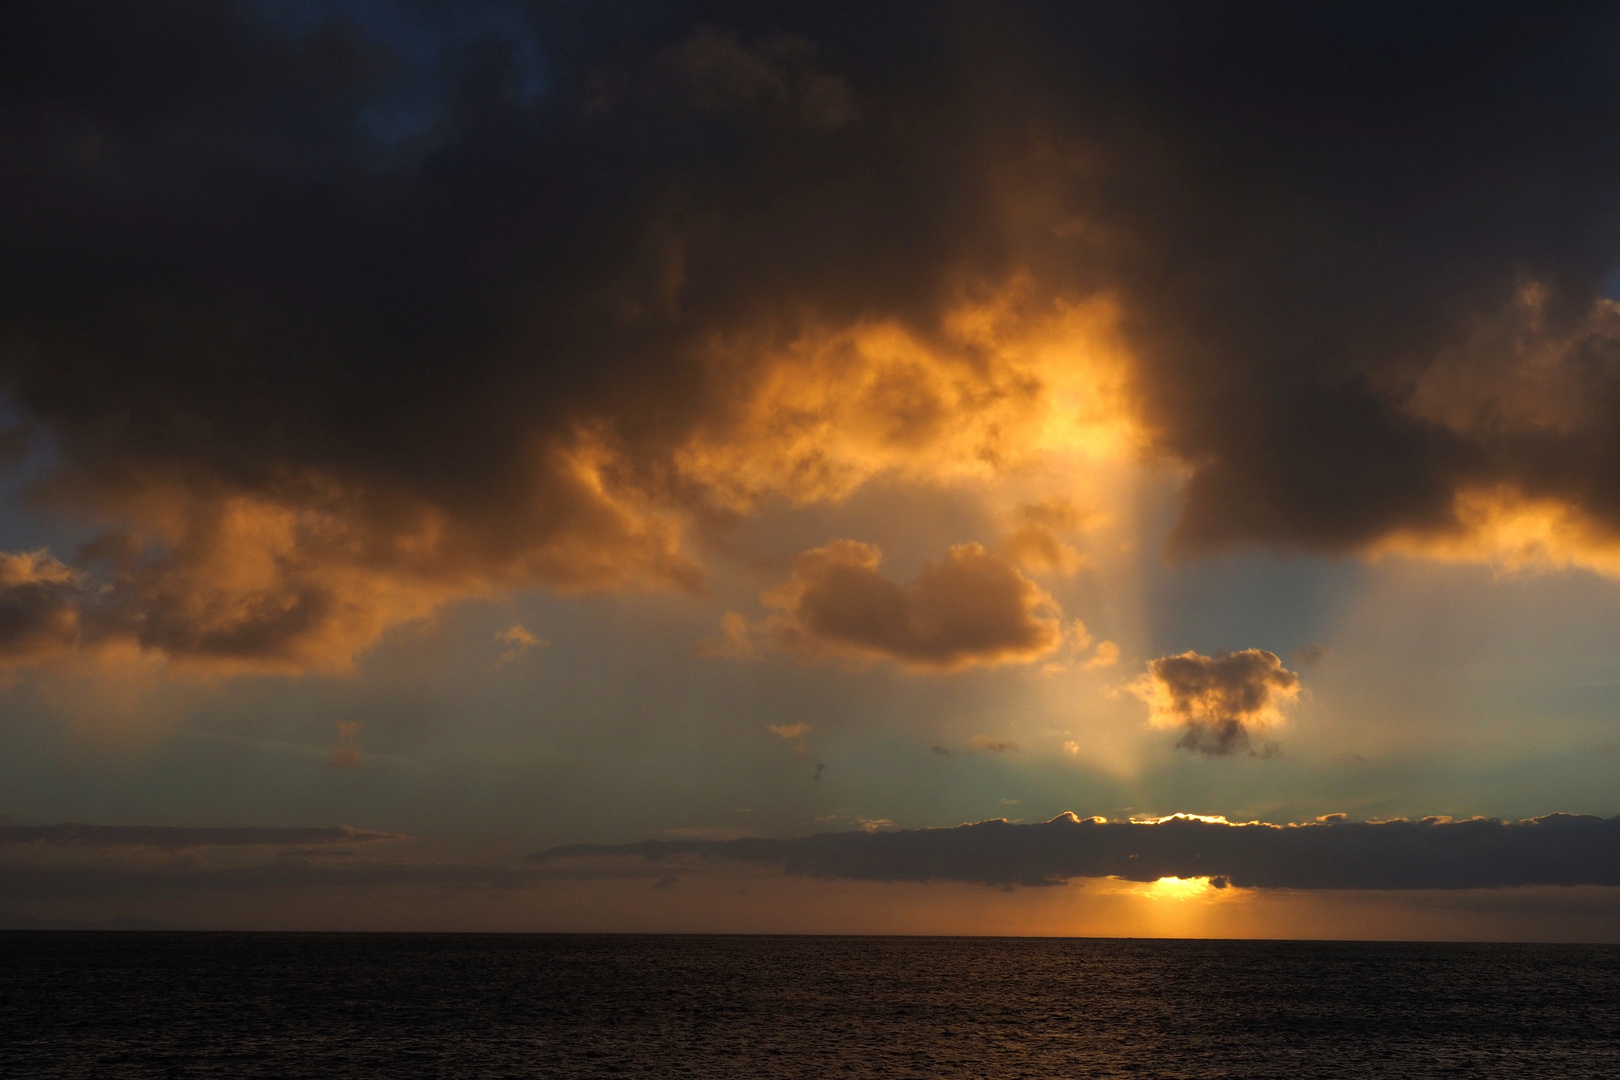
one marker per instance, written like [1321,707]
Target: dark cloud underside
[1560,849]
[970,608]
[326,334]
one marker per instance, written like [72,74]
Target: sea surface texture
[452,1006]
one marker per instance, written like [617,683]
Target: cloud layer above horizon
[1434,853]
[345,318]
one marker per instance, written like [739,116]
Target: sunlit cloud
[1106,655]
[969,609]
[1025,305]
[1035,542]
[1502,528]
[1222,703]
[1175,888]
[518,640]
[734,640]
[794,735]
[1015,381]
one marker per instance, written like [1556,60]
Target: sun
[1175,888]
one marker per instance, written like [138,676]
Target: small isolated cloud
[346,751]
[1037,549]
[991,746]
[1035,544]
[1107,655]
[940,751]
[1071,747]
[971,609]
[1223,702]
[734,641]
[793,733]
[518,640]
[1077,641]
[1308,654]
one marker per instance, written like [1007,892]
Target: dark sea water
[372,1005]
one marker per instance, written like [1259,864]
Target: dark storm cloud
[329,326]
[1435,853]
[180,838]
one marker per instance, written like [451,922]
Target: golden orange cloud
[970,609]
[1502,527]
[1223,703]
[1013,380]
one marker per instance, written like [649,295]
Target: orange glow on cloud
[1503,528]
[308,573]
[969,609]
[1010,384]
[767,903]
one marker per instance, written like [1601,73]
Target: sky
[962,468]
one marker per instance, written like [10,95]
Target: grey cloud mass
[322,334]
[179,838]
[1434,853]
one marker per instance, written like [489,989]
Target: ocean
[328,1006]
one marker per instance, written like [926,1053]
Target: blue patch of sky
[20,529]
[429,41]
[1240,599]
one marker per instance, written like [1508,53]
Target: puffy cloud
[969,609]
[1010,376]
[1223,702]
[181,838]
[1435,853]
[1036,548]
[1035,543]
[39,606]
[1107,655]
[318,375]
[993,746]
[734,641]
